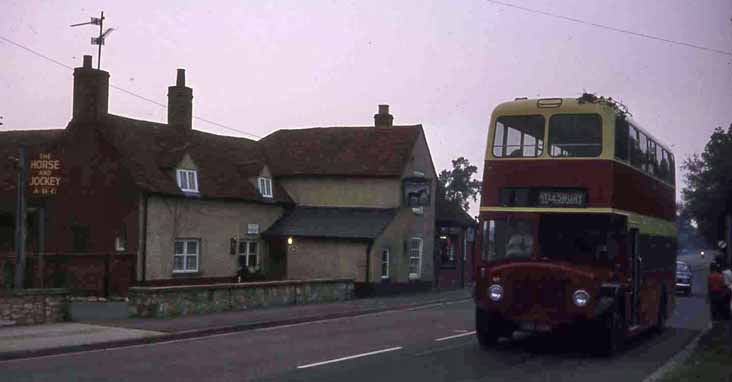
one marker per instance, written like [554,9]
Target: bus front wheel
[486,329]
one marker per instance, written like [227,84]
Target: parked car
[684,278]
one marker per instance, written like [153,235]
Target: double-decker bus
[576,223]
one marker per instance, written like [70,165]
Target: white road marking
[455,336]
[349,357]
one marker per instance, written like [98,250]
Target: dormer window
[187,180]
[265,187]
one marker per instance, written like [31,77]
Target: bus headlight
[581,298]
[495,292]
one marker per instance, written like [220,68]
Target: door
[636,270]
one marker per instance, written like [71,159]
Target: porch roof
[329,222]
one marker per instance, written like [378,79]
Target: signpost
[20,221]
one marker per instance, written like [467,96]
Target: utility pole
[728,236]
[20,221]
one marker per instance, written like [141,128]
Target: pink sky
[259,66]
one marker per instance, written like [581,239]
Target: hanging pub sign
[45,175]
[417,192]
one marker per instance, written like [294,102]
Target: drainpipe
[368,262]
[144,238]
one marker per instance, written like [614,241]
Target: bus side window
[672,168]
[621,139]
[652,161]
[663,168]
[644,151]
[635,149]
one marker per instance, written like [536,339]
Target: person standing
[716,292]
[727,295]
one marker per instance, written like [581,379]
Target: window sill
[186,273]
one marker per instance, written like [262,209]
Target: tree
[708,191]
[457,184]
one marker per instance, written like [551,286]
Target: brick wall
[33,306]
[163,302]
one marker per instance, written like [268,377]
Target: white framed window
[385,263]
[249,254]
[252,229]
[414,249]
[265,187]
[187,180]
[187,252]
[120,244]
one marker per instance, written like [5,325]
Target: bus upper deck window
[519,136]
[575,135]
[621,139]
[636,155]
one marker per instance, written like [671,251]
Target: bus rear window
[519,136]
[575,135]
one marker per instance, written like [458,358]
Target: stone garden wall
[33,306]
[173,301]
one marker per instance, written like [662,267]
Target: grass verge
[711,361]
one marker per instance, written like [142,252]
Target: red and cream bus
[576,223]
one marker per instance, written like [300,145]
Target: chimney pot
[91,93]
[180,103]
[383,118]
[181,78]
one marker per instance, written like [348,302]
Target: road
[431,343]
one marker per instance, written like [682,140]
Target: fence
[87,274]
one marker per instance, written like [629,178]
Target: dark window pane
[519,136]
[636,155]
[178,263]
[644,150]
[191,247]
[621,139]
[663,167]
[191,263]
[575,135]
[178,247]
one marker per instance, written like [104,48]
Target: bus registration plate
[531,326]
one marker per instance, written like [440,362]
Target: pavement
[17,342]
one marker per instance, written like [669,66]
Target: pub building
[115,202]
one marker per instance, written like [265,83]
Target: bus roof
[548,106]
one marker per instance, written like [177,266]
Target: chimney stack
[180,103]
[91,93]
[383,118]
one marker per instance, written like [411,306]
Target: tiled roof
[341,223]
[337,151]
[451,213]
[225,164]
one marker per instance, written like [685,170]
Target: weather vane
[102,36]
